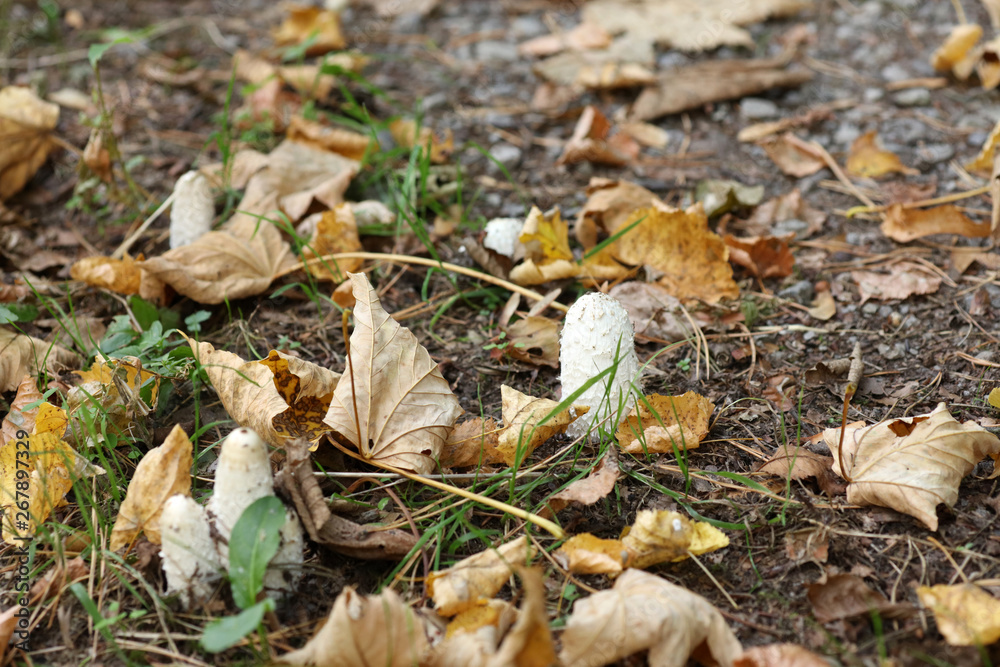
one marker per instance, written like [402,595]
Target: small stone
[846,133]
[506,154]
[873,94]
[790,226]
[433,101]
[526,27]
[913,97]
[800,292]
[895,72]
[495,50]
[869,308]
[755,108]
[934,153]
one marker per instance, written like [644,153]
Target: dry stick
[423,261]
[959,11]
[934,201]
[127,243]
[835,168]
[853,379]
[949,557]
[714,580]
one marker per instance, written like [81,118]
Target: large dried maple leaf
[393,403]
[25,124]
[644,612]
[911,465]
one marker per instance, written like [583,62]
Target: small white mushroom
[502,235]
[193,209]
[596,334]
[190,559]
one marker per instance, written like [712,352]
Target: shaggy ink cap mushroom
[503,235]
[193,209]
[190,559]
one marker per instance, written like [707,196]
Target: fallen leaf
[786,213]
[793,156]
[846,596]
[406,135]
[823,307]
[903,280]
[336,232]
[869,160]
[121,391]
[319,28]
[336,533]
[662,536]
[534,340]
[8,623]
[22,355]
[280,397]
[693,86]
[799,463]
[645,612]
[96,157]
[653,311]
[665,424]
[646,134]
[623,64]
[529,642]
[477,578]
[905,224]
[780,390]
[686,25]
[25,124]
[808,545]
[609,204]
[118,275]
[594,141]
[587,554]
[956,47]
[310,82]
[721,196]
[983,162]
[583,37]
[18,419]
[966,614]
[779,655]
[911,464]
[351,145]
[545,239]
[393,388]
[588,490]
[762,256]
[366,630]
[472,443]
[57,579]
[522,431]
[163,472]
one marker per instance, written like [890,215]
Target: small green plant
[254,542]
[684,364]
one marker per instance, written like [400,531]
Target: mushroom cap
[503,235]
[193,209]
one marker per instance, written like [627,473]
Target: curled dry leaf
[440,147]
[118,275]
[905,224]
[644,612]
[587,554]
[25,124]
[793,156]
[779,655]
[665,424]
[366,630]
[661,536]
[475,579]
[473,636]
[21,355]
[336,232]
[320,26]
[790,209]
[903,280]
[594,141]
[911,464]
[823,307]
[534,340]
[280,397]
[472,443]
[846,596]
[983,162]
[163,472]
[869,160]
[393,404]
[583,37]
[334,139]
[653,311]
[799,463]
[587,491]
[529,642]
[966,614]
[18,419]
[522,431]
[609,204]
[762,256]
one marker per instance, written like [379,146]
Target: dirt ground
[459,67]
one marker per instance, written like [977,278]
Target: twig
[835,168]
[714,580]
[934,201]
[947,555]
[127,243]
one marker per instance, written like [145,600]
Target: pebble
[903,131]
[495,50]
[506,154]
[755,108]
[800,292]
[526,27]
[846,134]
[895,72]
[931,154]
[913,97]
[869,308]
[873,94]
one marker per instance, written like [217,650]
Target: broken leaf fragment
[588,490]
[594,140]
[966,614]
[529,422]
[164,471]
[762,256]
[911,464]
[665,424]
[25,126]
[319,29]
[393,404]
[477,578]
[842,596]
[902,280]
[662,536]
[22,355]
[870,160]
[905,224]
[336,232]
[644,612]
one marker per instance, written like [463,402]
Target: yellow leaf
[404,133]
[25,124]
[118,275]
[164,471]
[869,160]
[956,47]
[321,27]
[545,238]
[336,232]
[521,416]
[668,423]
[966,614]
[477,578]
[660,536]
[994,397]
[587,554]
[983,162]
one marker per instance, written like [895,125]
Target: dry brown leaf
[366,630]
[623,64]
[8,623]
[25,124]
[713,81]
[609,204]
[808,545]
[96,157]
[583,37]
[823,307]
[588,490]
[653,311]
[522,432]
[336,232]
[686,25]
[903,280]
[662,536]
[966,614]
[846,596]
[787,207]
[440,147]
[22,355]
[905,224]
[310,82]
[779,655]
[270,105]
[645,612]
[666,424]
[320,26]
[281,397]
[762,256]
[163,472]
[869,160]
[792,155]
[351,145]
[799,463]
[911,464]
[57,579]
[237,261]
[988,67]
[594,141]
[983,162]
[477,578]
[472,443]
[586,554]
[17,418]
[118,275]
[405,407]
[534,340]
[956,47]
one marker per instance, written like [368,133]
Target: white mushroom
[502,235]
[190,559]
[193,209]
[596,334]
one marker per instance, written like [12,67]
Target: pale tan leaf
[363,631]
[966,614]
[956,46]
[522,432]
[904,279]
[660,536]
[792,155]
[477,578]
[905,224]
[22,355]
[534,340]
[911,464]
[473,636]
[587,491]
[780,655]
[529,642]
[118,275]
[644,612]
[280,397]
[666,424]
[25,124]
[405,407]
[595,141]
[19,420]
